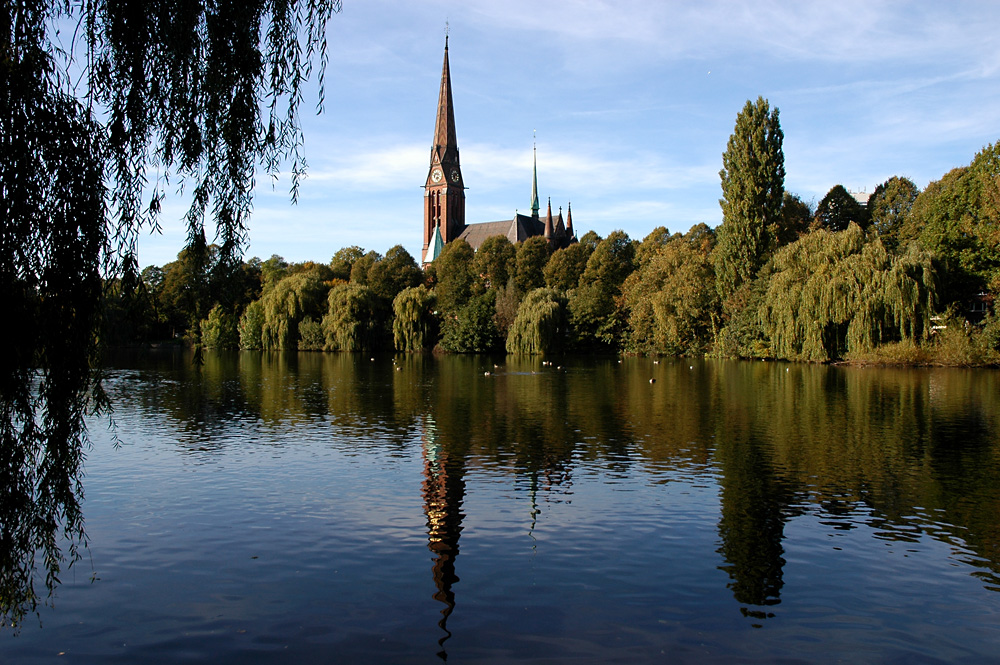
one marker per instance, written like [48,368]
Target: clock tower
[444,190]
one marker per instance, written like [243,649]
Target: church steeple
[444,189]
[534,180]
[445,139]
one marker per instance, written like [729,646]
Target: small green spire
[534,178]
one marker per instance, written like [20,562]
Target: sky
[630,103]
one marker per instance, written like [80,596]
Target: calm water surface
[331,508]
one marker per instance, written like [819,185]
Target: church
[444,195]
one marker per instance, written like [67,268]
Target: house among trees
[444,195]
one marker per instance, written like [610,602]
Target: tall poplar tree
[753,182]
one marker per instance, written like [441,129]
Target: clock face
[455,175]
[436,175]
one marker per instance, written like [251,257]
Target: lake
[334,508]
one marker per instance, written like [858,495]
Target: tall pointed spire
[534,178]
[445,138]
[444,189]
[569,219]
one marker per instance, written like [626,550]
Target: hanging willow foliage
[291,300]
[541,324]
[414,325]
[353,319]
[832,293]
[52,238]
[197,90]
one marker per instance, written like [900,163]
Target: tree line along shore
[907,279]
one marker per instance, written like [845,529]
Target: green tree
[651,244]
[397,271]
[311,335]
[597,313]
[220,330]
[414,324]
[672,302]
[839,209]
[272,271]
[453,269]
[344,260]
[541,325]
[590,239]
[508,301]
[831,294]
[362,268]
[753,187]
[794,221]
[291,300]
[493,263]
[566,266]
[611,262]
[889,207]
[472,329]
[532,255]
[354,320]
[251,327]
[958,219]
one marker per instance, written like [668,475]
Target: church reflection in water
[443,491]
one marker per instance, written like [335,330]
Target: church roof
[517,230]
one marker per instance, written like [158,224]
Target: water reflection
[444,491]
[909,454]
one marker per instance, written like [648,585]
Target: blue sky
[633,102]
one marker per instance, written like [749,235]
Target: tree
[541,324]
[839,209]
[793,222]
[611,262]
[651,244]
[397,271]
[493,264]
[344,260]
[753,187]
[272,271]
[291,300]
[251,327]
[472,329]
[220,329]
[181,87]
[354,319]
[454,275]
[958,219]
[596,310]
[889,207]
[835,293]
[566,266]
[532,255]
[672,301]
[414,324]
[362,268]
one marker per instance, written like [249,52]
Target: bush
[220,330]
[251,326]
[472,329]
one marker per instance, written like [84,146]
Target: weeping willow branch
[204,92]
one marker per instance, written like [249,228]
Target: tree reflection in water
[907,454]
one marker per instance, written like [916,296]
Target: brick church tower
[444,190]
